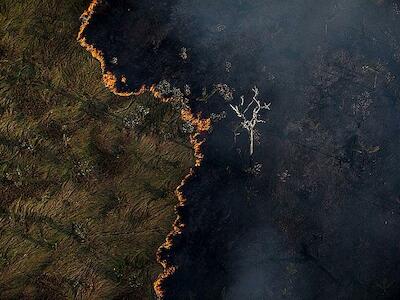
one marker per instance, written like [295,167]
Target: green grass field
[87,178]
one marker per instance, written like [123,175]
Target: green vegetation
[87,178]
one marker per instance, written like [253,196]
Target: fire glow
[201,126]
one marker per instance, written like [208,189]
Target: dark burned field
[320,219]
[87,177]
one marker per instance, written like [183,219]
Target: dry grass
[85,198]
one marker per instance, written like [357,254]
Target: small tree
[250,115]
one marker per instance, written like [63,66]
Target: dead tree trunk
[249,120]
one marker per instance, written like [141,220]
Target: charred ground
[320,221]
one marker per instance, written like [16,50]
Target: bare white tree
[250,115]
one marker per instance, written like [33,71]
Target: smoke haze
[321,218]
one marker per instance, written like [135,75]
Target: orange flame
[110,80]
[177,227]
[201,125]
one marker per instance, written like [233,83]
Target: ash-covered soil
[320,218]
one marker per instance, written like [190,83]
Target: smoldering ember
[313,213]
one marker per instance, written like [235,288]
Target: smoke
[260,262]
[320,220]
